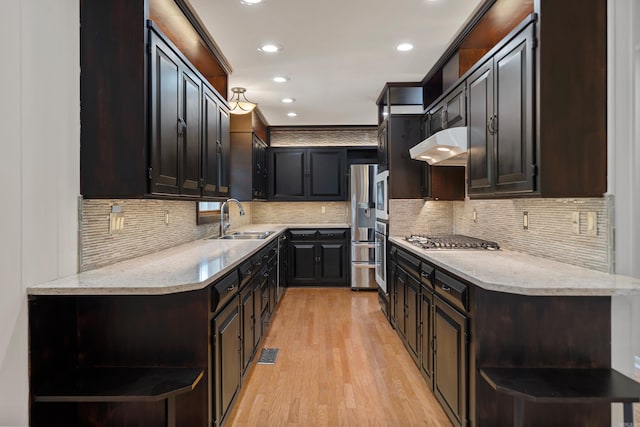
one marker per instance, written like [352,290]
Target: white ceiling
[337,53]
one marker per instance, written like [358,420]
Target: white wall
[624,178]
[39,118]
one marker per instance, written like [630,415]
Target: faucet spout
[226,223]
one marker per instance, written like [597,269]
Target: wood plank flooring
[339,364]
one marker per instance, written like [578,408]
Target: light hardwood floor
[339,364]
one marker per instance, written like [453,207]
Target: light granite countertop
[519,273]
[186,267]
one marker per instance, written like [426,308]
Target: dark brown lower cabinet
[226,328]
[319,257]
[450,364]
[247,312]
[426,334]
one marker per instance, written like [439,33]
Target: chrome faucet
[226,223]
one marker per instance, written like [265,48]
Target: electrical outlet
[525,220]
[166,217]
[592,223]
[116,219]
[323,209]
[475,216]
[575,222]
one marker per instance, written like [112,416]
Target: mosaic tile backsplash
[322,137]
[144,229]
[300,212]
[549,234]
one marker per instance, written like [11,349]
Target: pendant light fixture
[239,104]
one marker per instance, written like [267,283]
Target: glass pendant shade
[239,104]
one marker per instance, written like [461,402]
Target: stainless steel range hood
[445,148]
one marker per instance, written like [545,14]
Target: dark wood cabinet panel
[327,179]
[247,315]
[480,140]
[399,289]
[303,262]
[166,123]
[307,174]
[455,107]
[287,174]
[426,334]
[189,120]
[442,182]
[332,262]
[402,132]
[260,185]
[383,143]
[210,131]
[224,152]
[319,257]
[412,315]
[450,367]
[500,103]
[226,327]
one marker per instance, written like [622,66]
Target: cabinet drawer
[223,290]
[303,234]
[452,290]
[332,234]
[245,272]
[426,274]
[409,262]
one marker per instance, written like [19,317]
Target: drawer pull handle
[446,288]
[230,288]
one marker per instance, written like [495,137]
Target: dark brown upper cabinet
[500,115]
[449,112]
[536,111]
[307,174]
[249,157]
[144,104]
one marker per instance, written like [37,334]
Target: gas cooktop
[452,241]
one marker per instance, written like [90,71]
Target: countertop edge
[57,286]
[630,285]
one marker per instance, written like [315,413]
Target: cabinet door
[210,132]
[400,284]
[165,118]
[287,174]
[454,114]
[224,152]
[436,118]
[227,355]
[480,138]
[189,132]
[450,379]
[426,335]
[327,179]
[332,260]
[260,169]
[514,115]
[248,324]
[383,142]
[412,319]
[302,263]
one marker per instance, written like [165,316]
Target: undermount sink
[242,235]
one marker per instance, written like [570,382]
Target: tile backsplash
[324,137]
[300,212]
[549,235]
[145,230]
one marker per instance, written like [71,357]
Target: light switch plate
[592,223]
[575,222]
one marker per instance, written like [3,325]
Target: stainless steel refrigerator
[363,218]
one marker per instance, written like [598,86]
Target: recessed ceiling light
[251,1]
[288,100]
[280,79]
[404,47]
[270,48]
[292,114]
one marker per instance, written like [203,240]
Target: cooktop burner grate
[452,241]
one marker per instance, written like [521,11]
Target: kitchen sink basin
[244,235]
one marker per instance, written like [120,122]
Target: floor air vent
[268,356]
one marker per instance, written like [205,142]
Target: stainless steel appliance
[381,255]
[382,195]
[451,241]
[363,217]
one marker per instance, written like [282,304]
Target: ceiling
[338,54]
